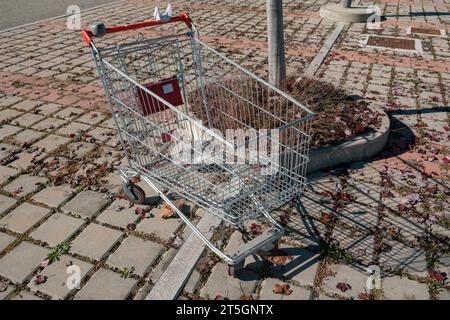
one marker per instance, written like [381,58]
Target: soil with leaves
[338,115]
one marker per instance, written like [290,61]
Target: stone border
[355,149]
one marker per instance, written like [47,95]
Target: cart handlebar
[88,34]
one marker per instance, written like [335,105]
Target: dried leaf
[245,297]
[3,286]
[40,279]
[343,286]
[283,289]
[139,211]
[167,211]
[131,226]
[279,260]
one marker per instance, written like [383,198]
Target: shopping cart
[160,86]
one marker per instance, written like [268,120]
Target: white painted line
[173,279]
[59,17]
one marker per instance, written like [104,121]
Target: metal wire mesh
[215,95]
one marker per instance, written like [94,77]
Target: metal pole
[346,3]
[275,36]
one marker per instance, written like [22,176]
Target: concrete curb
[355,149]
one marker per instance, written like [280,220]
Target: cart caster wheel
[235,269]
[134,193]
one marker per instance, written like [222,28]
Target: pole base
[337,12]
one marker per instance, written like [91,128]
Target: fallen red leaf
[343,286]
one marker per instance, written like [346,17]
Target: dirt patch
[339,116]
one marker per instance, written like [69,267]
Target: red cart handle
[184,17]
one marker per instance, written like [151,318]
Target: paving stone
[6,150]
[26,184]
[27,105]
[444,294]
[56,229]
[25,295]
[20,262]
[27,136]
[48,108]
[5,293]
[54,196]
[69,113]
[6,173]
[73,128]
[6,203]
[219,283]
[9,101]
[119,214]
[27,119]
[23,217]
[51,142]
[301,268]
[92,117]
[8,115]
[95,241]
[86,203]
[106,285]
[267,293]
[7,130]
[396,288]
[26,159]
[57,277]
[136,252]
[161,228]
[5,240]
[347,275]
[48,124]
[401,257]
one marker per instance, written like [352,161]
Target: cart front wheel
[235,269]
[134,193]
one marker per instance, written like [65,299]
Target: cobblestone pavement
[59,156]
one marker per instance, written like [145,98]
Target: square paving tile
[56,229]
[268,286]
[219,283]
[27,105]
[7,130]
[58,283]
[95,241]
[73,128]
[20,262]
[302,266]
[161,228]
[106,285]
[119,214]
[54,196]
[24,185]
[347,275]
[8,290]
[49,108]
[6,173]
[27,136]
[51,142]
[86,203]
[6,150]
[5,203]
[27,119]
[396,288]
[25,295]
[5,240]
[23,217]
[135,252]
[48,124]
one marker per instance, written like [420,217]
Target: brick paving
[59,157]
